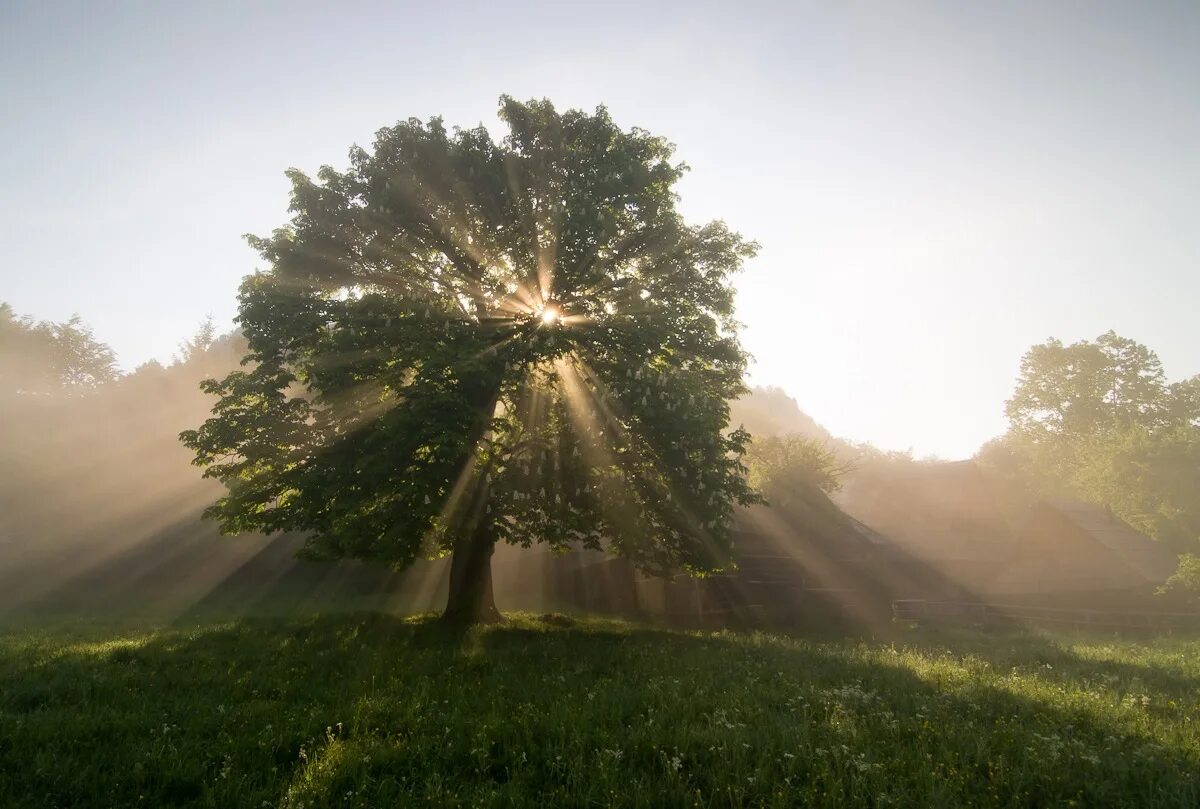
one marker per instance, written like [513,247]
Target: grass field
[374,710]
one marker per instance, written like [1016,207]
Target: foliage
[1184,582]
[1150,478]
[198,344]
[1098,420]
[405,386]
[779,464]
[1088,387]
[41,357]
[1184,402]
[369,711]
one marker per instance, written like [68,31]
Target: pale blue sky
[936,186]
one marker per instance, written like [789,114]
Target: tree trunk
[470,599]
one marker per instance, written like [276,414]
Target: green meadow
[370,710]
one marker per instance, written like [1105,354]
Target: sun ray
[592,406]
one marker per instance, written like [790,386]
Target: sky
[935,186]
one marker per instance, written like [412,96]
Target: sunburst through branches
[460,342]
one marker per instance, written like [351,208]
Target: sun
[550,314]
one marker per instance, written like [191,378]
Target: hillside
[770,411]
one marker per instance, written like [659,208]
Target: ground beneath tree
[374,710]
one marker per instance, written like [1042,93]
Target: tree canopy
[460,340]
[1094,387]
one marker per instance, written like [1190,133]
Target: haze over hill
[770,411]
[99,503]
[98,498]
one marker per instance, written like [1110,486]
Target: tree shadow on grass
[373,710]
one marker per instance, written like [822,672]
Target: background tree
[1088,388]
[1184,402]
[1184,584]
[198,344]
[460,342]
[42,357]
[781,465]
[1097,420]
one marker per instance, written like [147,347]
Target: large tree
[461,341]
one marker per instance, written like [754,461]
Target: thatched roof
[1136,550]
[803,520]
[944,510]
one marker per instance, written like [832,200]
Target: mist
[102,515]
[624,405]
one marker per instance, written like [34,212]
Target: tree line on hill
[90,459]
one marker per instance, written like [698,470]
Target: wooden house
[798,558]
[944,523]
[1079,552]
